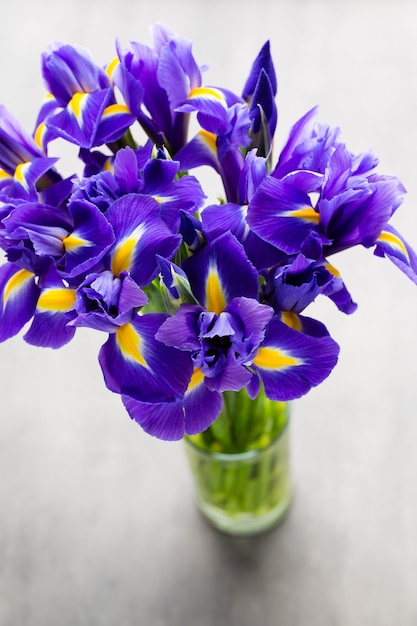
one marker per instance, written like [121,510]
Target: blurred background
[97,521]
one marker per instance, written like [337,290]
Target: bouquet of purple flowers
[196,300]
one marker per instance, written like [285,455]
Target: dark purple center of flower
[212,355]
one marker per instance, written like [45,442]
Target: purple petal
[16,145]
[78,122]
[114,122]
[282,215]
[178,72]
[262,62]
[23,184]
[185,194]
[130,87]
[141,235]
[18,296]
[134,363]
[233,377]
[201,150]
[90,239]
[70,69]
[164,420]
[254,317]
[125,169]
[220,272]
[54,310]
[181,330]
[50,330]
[359,213]
[309,146]
[291,363]
[392,245]
[263,104]
[202,406]
[218,219]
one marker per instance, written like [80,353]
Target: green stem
[241,463]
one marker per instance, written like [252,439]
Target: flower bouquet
[201,303]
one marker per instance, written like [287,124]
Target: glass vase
[243,485]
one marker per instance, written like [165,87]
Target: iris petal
[290,363]
[202,406]
[220,272]
[140,236]
[134,363]
[392,245]
[18,296]
[78,123]
[164,420]
[89,240]
[282,215]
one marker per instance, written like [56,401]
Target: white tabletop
[97,521]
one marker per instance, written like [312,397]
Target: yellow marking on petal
[115,109]
[76,104]
[209,139]
[215,296]
[39,132]
[162,199]
[394,241]
[108,165]
[49,96]
[130,344]
[196,379]
[57,299]
[273,358]
[307,213]
[112,66]
[4,174]
[19,174]
[122,258]
[72,242]
[125,251]
[331,268]
[15,282]
[197,92]
[291,319]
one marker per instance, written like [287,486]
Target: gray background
[97,521]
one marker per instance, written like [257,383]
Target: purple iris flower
[259,91]
[191,230]
[355,207]
[76,238]
[22,162]
[226,124]
[221,218]
[84,110]
[226,339]
[309,146]
[220,345]
[163,76]
[351,209]
[19,295]
[292,287]
[106,302]
[50,327]
[230,123]
[392,245]
[134,173]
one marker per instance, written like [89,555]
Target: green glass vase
[241,465]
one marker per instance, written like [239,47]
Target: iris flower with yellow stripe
[227,340]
